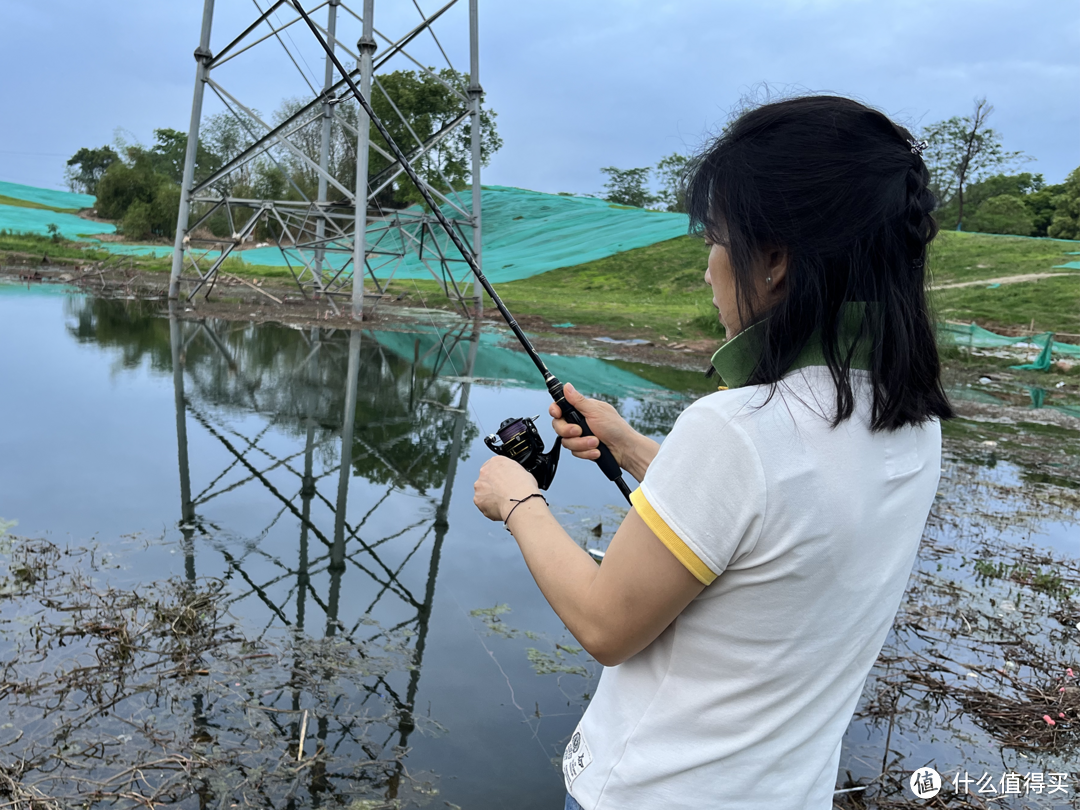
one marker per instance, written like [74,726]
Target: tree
[627,187]
[670,171]
[1043,205]
[429,103]
[144,200]
[86,167]
[1004,213]
[961,151]
[1027,189]
[225,136]
[1066,220]
[167,155]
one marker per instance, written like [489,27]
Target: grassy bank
[31,249]
[658,291]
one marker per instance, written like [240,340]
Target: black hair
[837,188]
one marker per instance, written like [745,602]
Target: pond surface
[272,529]
[227,467]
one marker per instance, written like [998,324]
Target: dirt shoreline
[279,301]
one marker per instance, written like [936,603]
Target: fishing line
[518,446]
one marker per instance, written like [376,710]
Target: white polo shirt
[805,536]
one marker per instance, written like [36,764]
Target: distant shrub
[1065,223]
[137,220]
[1004,213]
[145,201]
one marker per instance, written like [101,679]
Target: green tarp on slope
[46,196]
[37,220]
[524,233]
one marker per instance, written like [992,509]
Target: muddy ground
[278,300]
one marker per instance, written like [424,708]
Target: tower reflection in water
[339,416]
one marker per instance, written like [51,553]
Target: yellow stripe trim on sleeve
[673,542]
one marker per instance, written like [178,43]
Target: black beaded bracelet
[518,503]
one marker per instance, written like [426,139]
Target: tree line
[139,185]
[973,177]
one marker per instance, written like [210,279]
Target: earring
[768,281]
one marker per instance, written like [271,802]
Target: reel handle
[607,463]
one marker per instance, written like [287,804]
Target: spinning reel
[520,441]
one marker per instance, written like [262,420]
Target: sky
[576,85]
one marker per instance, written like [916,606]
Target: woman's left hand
[500,480]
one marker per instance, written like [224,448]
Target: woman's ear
[776,265]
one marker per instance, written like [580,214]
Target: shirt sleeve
[704,494]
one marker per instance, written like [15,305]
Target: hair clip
[917,147]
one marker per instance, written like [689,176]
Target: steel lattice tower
[330,243]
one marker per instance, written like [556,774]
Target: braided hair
[843,192]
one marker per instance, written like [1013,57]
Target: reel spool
[518,440]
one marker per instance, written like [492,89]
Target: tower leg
[366,46]
[324,148]
[202,56]
[475,92]
[337,550]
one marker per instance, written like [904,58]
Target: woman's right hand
[604,421]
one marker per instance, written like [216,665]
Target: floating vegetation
[1048,582]
[155,696]
[979,671]
[559,657]
[556,661]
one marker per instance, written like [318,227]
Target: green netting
[976,337]
[46,196]
[973,395]
[1068,265]
[524,233]
[495,361]
[37,220]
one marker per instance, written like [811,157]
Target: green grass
[15,201]
[36,246]
[1049,304]
[650,291]
[958,257]
[659,291]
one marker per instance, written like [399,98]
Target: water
[209,454]
[96,449]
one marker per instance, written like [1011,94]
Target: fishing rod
[517,438]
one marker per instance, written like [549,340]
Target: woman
[746,595]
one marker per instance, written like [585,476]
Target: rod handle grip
[607,463]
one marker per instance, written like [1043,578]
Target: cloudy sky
[576,85]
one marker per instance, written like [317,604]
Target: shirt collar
[736,360]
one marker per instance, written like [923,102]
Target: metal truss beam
[310,232]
